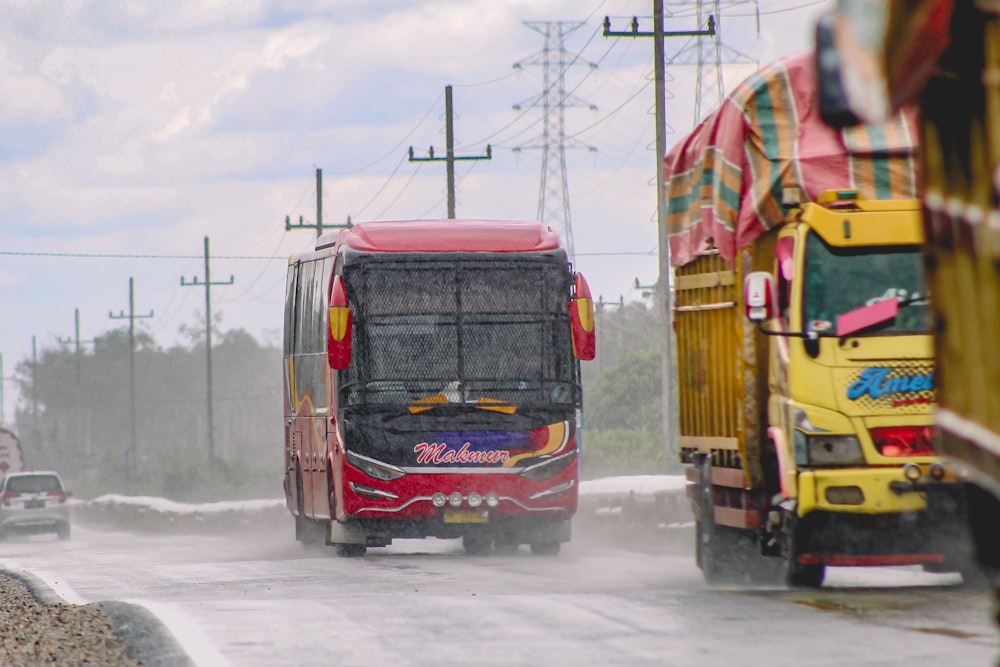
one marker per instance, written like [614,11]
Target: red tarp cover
[725,179]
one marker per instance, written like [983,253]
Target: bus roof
[445,236]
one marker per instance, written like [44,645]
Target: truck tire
[716,547]
[798,575]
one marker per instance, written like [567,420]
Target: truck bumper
[934,535]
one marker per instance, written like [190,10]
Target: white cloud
[157,124]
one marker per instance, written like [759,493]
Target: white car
[34,502]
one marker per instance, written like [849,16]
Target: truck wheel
[799,575]
[974,576]
[711,545]
[720,553]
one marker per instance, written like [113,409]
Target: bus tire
[505,547]
[475,545]
[545,548]
[350,550]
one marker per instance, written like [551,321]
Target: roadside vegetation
[76,418]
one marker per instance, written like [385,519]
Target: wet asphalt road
[260,599]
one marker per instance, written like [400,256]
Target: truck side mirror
[338,343]
[581,318]
[759,296]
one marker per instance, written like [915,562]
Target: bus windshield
[841,280]
[477,330]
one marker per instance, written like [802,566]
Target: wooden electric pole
[208,339]
[318,225]
[669,405]
[130,455]
[82,425]
[450,158]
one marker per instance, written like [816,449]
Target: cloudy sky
[131,130]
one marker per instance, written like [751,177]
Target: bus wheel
[476,546]
[505,547]
[545,548]
[350,550]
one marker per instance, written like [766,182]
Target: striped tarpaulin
[725,179]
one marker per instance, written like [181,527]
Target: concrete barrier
[637,501]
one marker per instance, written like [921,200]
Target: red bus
[432,385]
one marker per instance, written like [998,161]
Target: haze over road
[262,600]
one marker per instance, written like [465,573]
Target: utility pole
[450,157]
[208,340]
[132,317]
[668,366]
[318,226]
[79,363]
[3,378]
[76,340]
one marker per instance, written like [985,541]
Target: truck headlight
[834,450]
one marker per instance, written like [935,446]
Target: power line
[98,255]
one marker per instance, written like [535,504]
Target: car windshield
[33,484]
[841,280]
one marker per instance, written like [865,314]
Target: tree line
[74,415]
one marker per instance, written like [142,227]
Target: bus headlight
[373,468]
[438,499]
[492,500]
[475,500]
[455,499]
[548,468]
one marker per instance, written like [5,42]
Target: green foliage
[623,424]
[81,422]
[628,395]
[613,452]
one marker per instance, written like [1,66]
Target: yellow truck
[805,365]
[941,55]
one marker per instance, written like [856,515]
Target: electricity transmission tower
[553,191]
[708,53]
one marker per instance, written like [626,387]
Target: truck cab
[850,393]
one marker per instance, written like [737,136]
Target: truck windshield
[474,331]
[841,280]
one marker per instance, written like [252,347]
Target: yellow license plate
[458,516]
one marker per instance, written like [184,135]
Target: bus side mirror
[338,343]
[759,297]
[581,318]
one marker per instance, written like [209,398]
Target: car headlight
[834,450]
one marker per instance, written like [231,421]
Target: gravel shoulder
[36,628]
